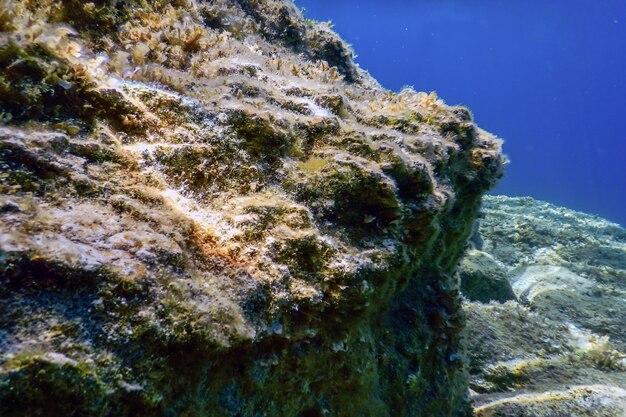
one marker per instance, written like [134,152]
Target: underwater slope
[557,343]
[208,210]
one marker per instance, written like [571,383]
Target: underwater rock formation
[483,278]
[561,349]
[207,209]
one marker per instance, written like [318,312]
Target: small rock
[9,207]
[484,279]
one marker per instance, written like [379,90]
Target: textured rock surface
[484,279]
[208,210]
[560,350]
[584,401]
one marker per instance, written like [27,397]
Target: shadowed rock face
[484,279]
[208,210]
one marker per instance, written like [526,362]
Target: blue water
[547,76]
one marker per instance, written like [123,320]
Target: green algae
[53,384]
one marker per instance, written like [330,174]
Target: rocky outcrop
[559,350]
[207,209]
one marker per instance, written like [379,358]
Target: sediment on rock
[558,347]
[209,209]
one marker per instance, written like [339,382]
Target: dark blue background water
[547,76]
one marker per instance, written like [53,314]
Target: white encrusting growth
[177,197]
[316,110]
[582,339]
[189,207]
[143,147]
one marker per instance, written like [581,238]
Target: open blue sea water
[547,76]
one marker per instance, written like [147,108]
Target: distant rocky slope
[206,209]
[552,341]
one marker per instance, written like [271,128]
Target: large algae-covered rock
[560,349]
[208,210]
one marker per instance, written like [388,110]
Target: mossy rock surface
[207,209]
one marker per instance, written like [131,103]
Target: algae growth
[209,209]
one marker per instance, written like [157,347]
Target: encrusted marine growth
[207,209]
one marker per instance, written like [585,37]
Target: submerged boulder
[207,209]
[484,279]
